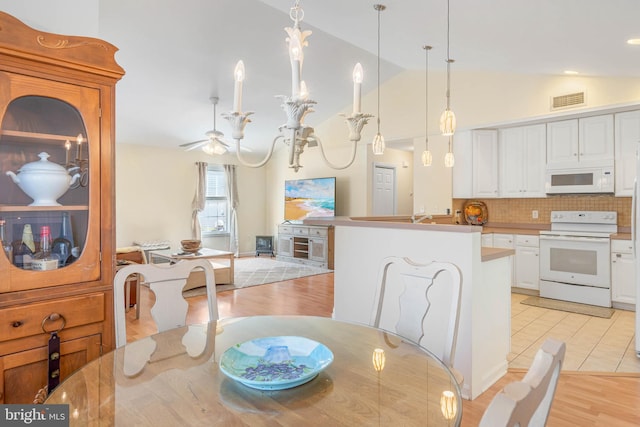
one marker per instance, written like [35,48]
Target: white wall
[155,188]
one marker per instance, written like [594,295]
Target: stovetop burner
[584,222]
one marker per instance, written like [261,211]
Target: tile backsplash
[519,211]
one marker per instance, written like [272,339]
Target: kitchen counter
[621,236]
[361,244]
[489,254]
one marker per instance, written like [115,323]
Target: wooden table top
[173,378]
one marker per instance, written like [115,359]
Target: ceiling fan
[214,144]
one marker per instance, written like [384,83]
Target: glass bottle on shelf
[24,249]
[6,245]
[63,244]
[45,259]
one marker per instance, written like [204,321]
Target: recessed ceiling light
[633,41]
[570,72]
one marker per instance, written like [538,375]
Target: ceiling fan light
[447,123]
[208,149]
[427,158]
[378,144]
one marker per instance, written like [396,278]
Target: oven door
[577,260]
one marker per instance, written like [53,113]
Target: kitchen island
[484,331]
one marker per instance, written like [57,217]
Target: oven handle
[575,238]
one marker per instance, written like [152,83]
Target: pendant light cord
[379,8]
[426,95]
[448,61]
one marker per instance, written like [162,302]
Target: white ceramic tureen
[43,181]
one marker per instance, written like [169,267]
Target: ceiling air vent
[568,100]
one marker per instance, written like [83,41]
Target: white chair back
[420,302]
[528,402]
[166,281]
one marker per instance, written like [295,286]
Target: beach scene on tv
[307,198]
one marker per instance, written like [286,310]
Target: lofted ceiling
[177,54]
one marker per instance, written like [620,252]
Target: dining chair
[166,281]
[421,303]
[528,402]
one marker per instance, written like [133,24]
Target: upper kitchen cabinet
[627,131]
[485,163]
[475,173]
[57,150]
[580,142]
[522,153]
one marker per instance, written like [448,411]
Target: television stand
[306,244]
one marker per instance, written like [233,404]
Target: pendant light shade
[378,144]
[448,118]
[427,157]
[378,141]
[449,160]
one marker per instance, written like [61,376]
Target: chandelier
[295,133]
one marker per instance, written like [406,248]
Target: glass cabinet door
[50,174]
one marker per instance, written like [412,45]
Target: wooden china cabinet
[56,97]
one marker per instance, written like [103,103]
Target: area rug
[572,307]
[252,271]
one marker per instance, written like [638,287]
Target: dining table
[176,378]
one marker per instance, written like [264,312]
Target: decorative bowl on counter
[475,213]
[43,181]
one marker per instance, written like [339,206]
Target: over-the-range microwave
[580,180]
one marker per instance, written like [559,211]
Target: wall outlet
[534,214]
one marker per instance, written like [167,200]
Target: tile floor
[593,344]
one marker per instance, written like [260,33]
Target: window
[213,219]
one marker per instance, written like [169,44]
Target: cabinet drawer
[301,231]
[318,232]
[527,240]
[26,320]
[623,246]
[285,229]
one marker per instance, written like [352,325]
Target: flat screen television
[307,198]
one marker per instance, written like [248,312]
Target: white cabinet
[623,270]
[485,163]
[462,177]
[522,152]
[487,240]
[285,241]
[505,241]
[627,136]
[527,262]
[306,244]
[587,141]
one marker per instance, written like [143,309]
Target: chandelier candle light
[294,132]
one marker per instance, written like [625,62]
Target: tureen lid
[42,165]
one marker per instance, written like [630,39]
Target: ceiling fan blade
[188,144]
[232,146]
[198,145]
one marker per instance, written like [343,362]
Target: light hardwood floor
[582,398]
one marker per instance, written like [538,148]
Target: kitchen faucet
[419,220]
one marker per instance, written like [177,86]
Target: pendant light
[427,157]
[378,140]
[449,160]
[448,119]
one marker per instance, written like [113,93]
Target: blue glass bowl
[275,363]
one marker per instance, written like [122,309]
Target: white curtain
[199,199]
[232,197]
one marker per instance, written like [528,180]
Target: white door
[384,190]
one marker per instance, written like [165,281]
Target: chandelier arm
[333,166]
[263,161]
